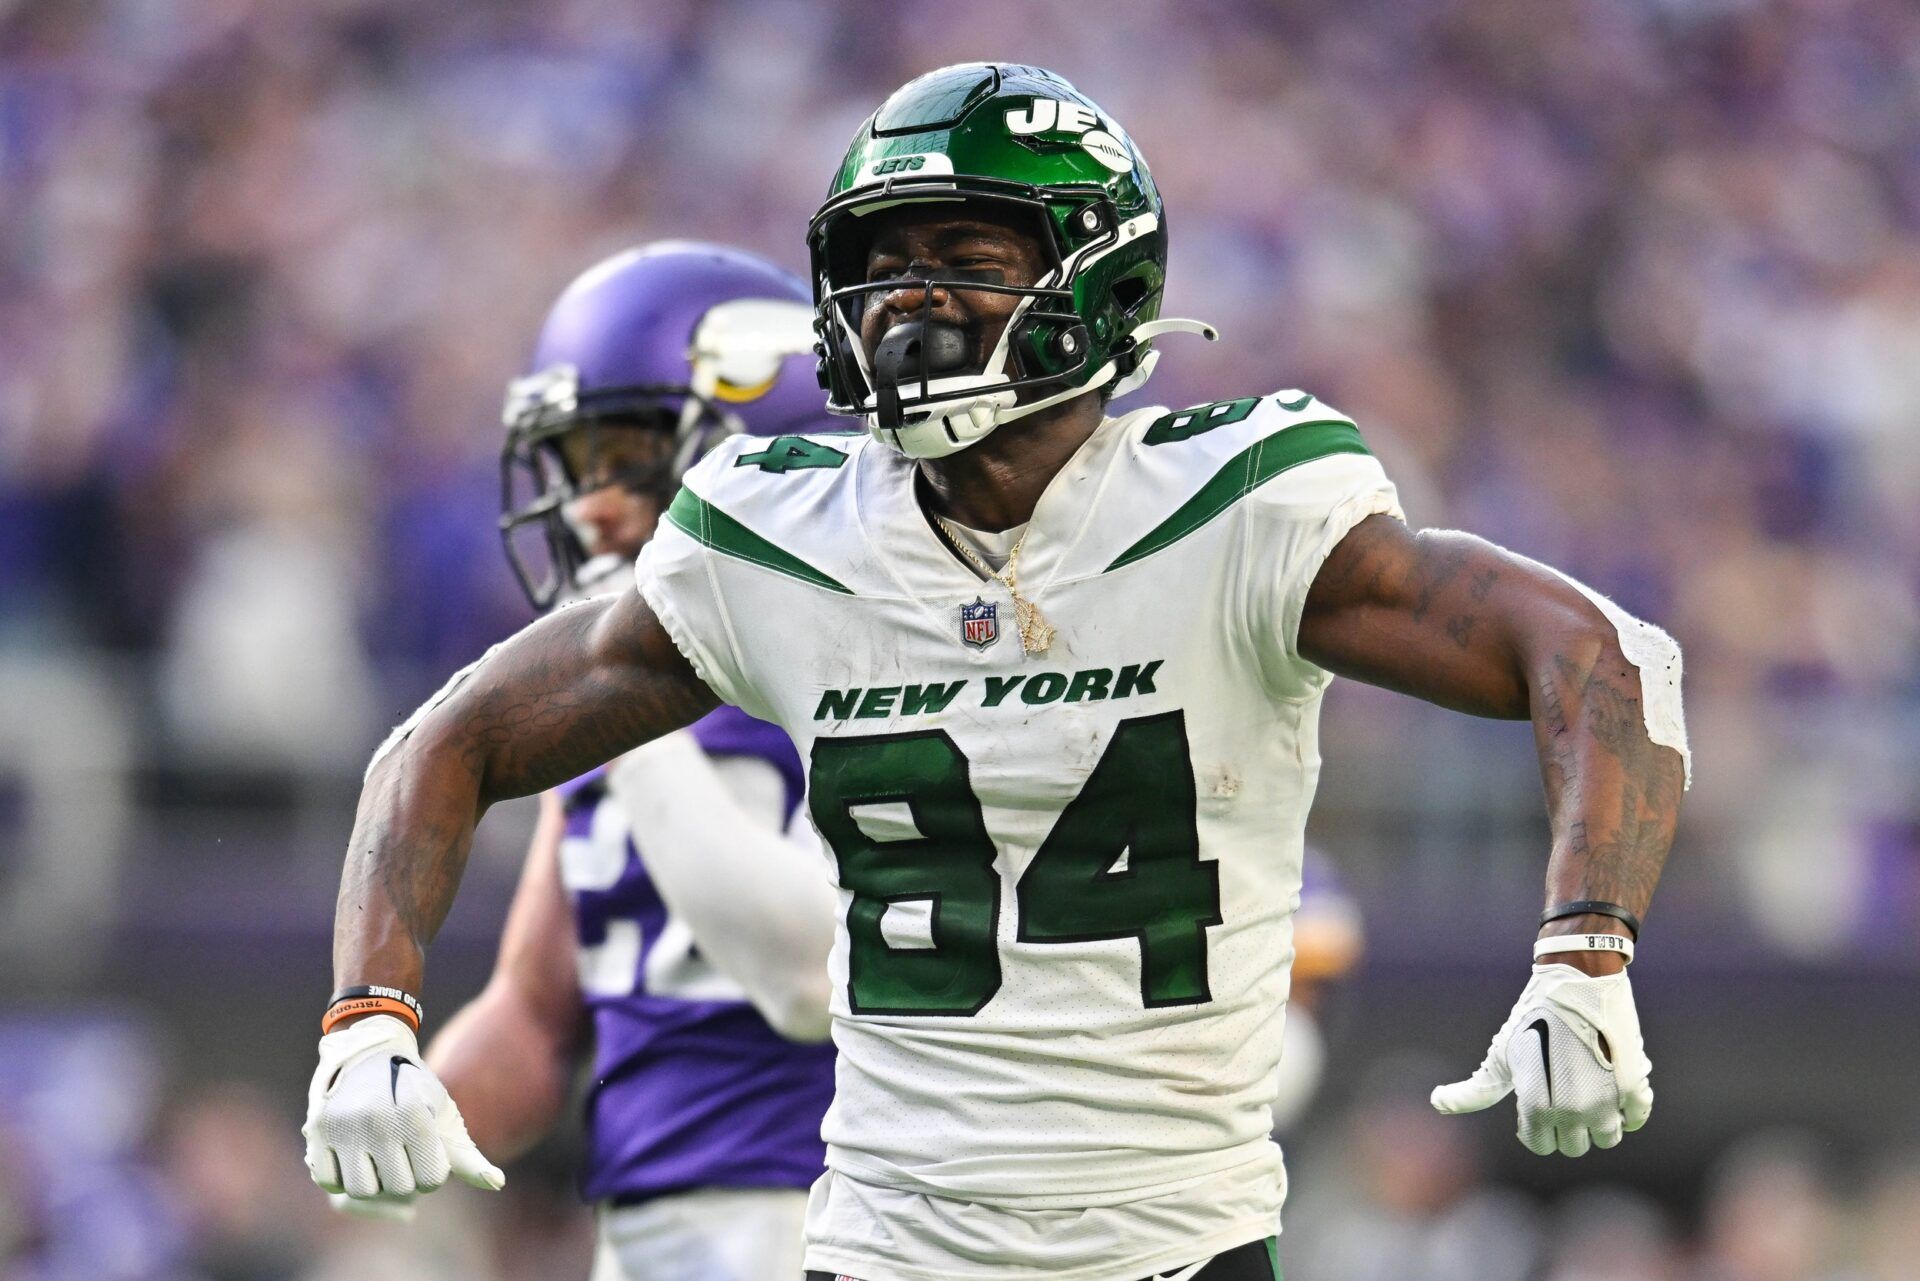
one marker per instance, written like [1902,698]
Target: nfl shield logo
[980,623]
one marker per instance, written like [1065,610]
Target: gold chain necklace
[1035,633]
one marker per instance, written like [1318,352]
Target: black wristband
[405,998]
[1593,907]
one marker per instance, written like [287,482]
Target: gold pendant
[1036,634]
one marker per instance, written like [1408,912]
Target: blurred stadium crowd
[1632,286]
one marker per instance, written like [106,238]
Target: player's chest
[1054,655]
[1135,697]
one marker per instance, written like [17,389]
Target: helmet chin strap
[1174,325]
[1153,329]
[1130,382]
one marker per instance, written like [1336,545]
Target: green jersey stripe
[1251,468]
[703,521]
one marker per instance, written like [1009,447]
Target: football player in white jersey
[1056,675]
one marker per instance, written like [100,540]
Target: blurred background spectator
[1629,285]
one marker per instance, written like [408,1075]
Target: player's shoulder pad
[774,501]
[744,467]
[1188,467]
[1222,428]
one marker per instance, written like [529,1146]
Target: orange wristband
[356,1005]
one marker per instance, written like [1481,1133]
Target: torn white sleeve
[1657,656]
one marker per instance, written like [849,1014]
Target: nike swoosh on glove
[1572,1056]
[380,1127]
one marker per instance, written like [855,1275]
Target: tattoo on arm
[568,693]
[1420,613]
[1434,578]
[1459,622]
[1613,794]
[550,718]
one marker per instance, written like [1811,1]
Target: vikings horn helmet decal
[1026,140]
[697,340]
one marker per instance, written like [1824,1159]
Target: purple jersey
[691,1087]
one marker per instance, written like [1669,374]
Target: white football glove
[380,1127]
[374,1209]
[1572,1093]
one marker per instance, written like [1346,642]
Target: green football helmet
[1025,140]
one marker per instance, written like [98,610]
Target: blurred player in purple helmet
[673,908]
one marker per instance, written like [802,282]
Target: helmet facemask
[930,388]
[647,361]
[563,445]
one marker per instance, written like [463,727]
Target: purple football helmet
[694,339]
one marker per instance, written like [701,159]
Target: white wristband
[1619,943]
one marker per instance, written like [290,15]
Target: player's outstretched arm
[571,691]
[1457,621]
[506,1057]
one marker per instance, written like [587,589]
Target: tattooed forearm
[1613,794]
[570,692]
[1459,622]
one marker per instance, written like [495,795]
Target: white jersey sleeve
[1294,521]
[676,576]
[673,579]
[753,891]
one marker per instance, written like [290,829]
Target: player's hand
[1571,1055]
[380,1127]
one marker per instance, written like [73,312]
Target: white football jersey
[1066,877]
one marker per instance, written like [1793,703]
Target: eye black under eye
[975,275]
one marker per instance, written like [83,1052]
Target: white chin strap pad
[946,430]
[1153,329]
[957,424]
